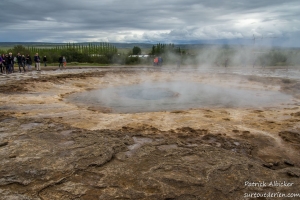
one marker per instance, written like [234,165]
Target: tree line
[92,53]
[106,53]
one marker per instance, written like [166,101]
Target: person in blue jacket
[160,61]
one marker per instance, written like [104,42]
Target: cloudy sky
[177,21]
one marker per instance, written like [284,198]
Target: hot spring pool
[168,96]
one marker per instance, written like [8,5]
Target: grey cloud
[146,21]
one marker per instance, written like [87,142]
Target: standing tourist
[24,62]
[20,63]
[15,60]
[10,63]
[7,63]
[178,62]
[45,61]
[64,61]
[1,65]
[226,62]
[28,62]
[160,61]
[60,61]
[37,61]
[155,61]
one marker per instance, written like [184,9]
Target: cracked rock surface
[53,149]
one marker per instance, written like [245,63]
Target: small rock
[2,144]
[287,162]
[268,165]
[297,114]
[293,172]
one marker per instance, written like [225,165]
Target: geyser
[168,96]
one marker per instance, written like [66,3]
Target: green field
[190,54]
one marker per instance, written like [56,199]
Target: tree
[19,49]
[136,50]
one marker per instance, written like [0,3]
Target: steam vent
[149,132]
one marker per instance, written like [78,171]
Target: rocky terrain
[53,148]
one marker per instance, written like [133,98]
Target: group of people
[62,61]
[157,61]
[8,61]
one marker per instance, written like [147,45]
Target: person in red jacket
[155,61]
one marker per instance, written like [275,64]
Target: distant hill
[118,45]
[197,44]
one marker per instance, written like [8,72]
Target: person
[45,61]
[64,61]
[20,63]
[15,60]
[28,62]
[23,61]
[263,62]
[60,60]
[226,62]
[10,63]
[155,61]
[160,61]
[1,65]
[37,61]
[7,63]
[4,64]
[254,62]
[178,62]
